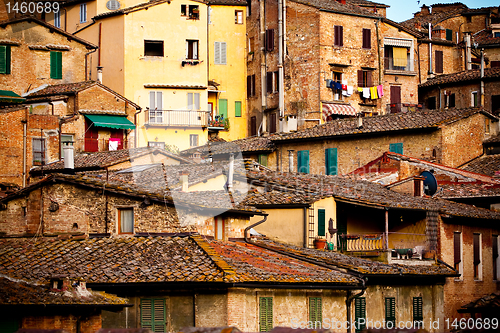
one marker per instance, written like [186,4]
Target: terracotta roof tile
[486,38]
[486,164]
[250,144]
[380,124]
[464,76]
[367,3]
[468,190]
[488,302]
[337,7]
[62,89]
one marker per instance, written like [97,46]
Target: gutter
[348,303]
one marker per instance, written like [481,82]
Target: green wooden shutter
[418,315]
[331,161]
[237,109]
[263,159]
[153,314]
[265,314]
[396,148]
[4,59]
[321,222]
[449,34]
[303,161]
[55,65]
[390,311]
[147,313]
[360,313]
[223,108]
[316,311]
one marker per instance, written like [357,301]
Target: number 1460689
[32,7]
[472,323]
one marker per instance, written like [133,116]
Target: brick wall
[69,322]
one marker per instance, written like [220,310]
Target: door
[91,137]
[117,136]
[395,99]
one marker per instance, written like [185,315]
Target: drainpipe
[136,134]
[247,229]
[348,303]
[419,70]
[482,78]
[263,61]
[378,51]
[306,236]
[281,91]
[386,233]
[25,130]
[86,63]
[468,56]
[230,173]
[430,49]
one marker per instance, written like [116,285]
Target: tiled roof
[493,139]
[258,199]
[489,302]
[367,3]
[62,89]
[486,164]
[159,260]
[464,76]
[131,9]
[99,160]
[18,292]
[363,192]
[435,17]
[227,2]
[380,124]
[485,38]
[362,266]
[246,145]
[337,7]
[468,190]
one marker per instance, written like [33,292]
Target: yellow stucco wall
[231,76]
[284,225]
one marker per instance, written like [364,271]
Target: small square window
[126,220]
[238,16]
[153,48]
[192,49]
[194,12]
[183,10]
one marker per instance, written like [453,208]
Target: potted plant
[319,243]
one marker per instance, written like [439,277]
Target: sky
[402,10]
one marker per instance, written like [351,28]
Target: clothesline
[374,92]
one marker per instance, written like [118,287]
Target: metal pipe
[378,51]
[430,49]
[348,303]
[306,236]
[482,78]
[280,61]
[230,173]
[253,225]
[386,229]
[25,130]
[263,55]
[86,63]
[135,130]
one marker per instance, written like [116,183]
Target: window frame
[328,161]
[151,43]
[359,312]
[238,17]
[192,49]
[417,310]
[237,109]
[396,147]
[266,314]
[194,138]
[390,311]
[57,19]
[56,65]
[338,35]
[42,150]
[474,99]
[365,78]
[367,39]
[303,161]
[321,222]
[458,261]
[121,210]
[193,101]
[156,144]
[83,12]
[5,59]
[155,113]
[477,254]
[439,62]
[193,12]
[219,228]
[220,53]
[153,313]
[316,312]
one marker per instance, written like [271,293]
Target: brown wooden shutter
[360,78]
[367,41]
[456,248]
[269,40]
[341,33]
[272,127]
[439,61]
[336,40]
[253,126]
[477,257]
[249,86]
[269,82]
[369,81]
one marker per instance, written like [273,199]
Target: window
[449,34]
[66,140]
[495,64]
[55,65]
[183,10]
[367,39]
[396,148]
[193,11]
[390,312]
[57,19]
[83,12]
[474,99]
[193,101]
[360,313]
[431,103]
[153,48]
[478,274]
[269,82]
[223,108]
[496,259]
[397,58]
[249,8]
[155,114]
[269,40]
[262,159]
[495,104]
[321,222]
[192,49]
[497,34]
[153,314]
[316,312]
[276,85]
[39,151]
[338,35]
[253,126]
[439,61]
[156,144]
[364,78]
[4,59]
[193,140]
[449,100]
[331,163]
[457,252]
[220,50]
[219,228]
[251,85]
[265,314]
[238,16]
[303,161]
[272,122]
[487,125]
[418,313]
[237,109]
[125,220]
[251,45]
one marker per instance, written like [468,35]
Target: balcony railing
[358,242]
[93,145]
[184,118]
[408,69]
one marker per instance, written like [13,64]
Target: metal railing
[359,242]
[93,145]
[408,68]
[188,118]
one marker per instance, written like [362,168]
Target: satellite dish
[430,183]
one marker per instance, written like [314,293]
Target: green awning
[104,120]
[7,96]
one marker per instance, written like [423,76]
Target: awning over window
[7,96]
[341,109]
[104,120]
[398,42]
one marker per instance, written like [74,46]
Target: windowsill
[458,280]
[368,104]
[398,72]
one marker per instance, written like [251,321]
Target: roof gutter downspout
[136,134]
[281,92]
[348,303]
[86,63]
[482,78]
[378,51]
[247,229]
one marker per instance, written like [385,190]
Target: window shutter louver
[159,316]
[360,78]
[5,59]
[321,222]
[456,248]
[217,53]
[223,108]
[331,161]
[55,65]
[359,312]
[477,258]
[390,310]
[223,51]
[269,40]
[237,109]
[439,61]
[369,80]
[249,86]
[147,314]
[265,314]
[190,101]
[367,41]
[417,309]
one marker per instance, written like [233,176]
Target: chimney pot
[69,158]
[184,180]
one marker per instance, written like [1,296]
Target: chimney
[418,186]
[231,173]
[360,120]
[69,159]
[290,160]
[184,180]
[468,51]
[425,10]
[99,74]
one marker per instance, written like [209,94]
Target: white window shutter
[159,100]
[190,101]
[152,104]
[217,53]
[223,50]
[195,50]
[187,49]
[197,101]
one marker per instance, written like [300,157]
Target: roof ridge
[214,256]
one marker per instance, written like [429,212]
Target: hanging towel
[344,87]
[344,93]
[373,92]
[329,83]
[366,92]
[337,86]
[380,90]
[360,89]
[350,90]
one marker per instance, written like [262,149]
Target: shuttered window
[194,101]
[220,56]
[237,109]
[449,34]
[360,313]
[262,159]
[5,59]
[315,311]
[338,33]
[250,85]
[223,108]
[253,126]
[303,161]
[364,78]
[439,62]
[55,65]
[321,222]
[396,148]
[418,313]
[331,165]
[269,40]
[153,316]
[269,82]
[272,123]
[367,38]
[494,249]
[265,314]
[477,256]
[390,312]
[457,250]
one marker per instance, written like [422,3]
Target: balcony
[177,118]
[390,68]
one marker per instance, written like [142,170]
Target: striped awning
[398,42]
[341,109]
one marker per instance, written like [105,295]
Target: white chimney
[290,160]
[184,181]
[231,173]
[69,157]
[99,74]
